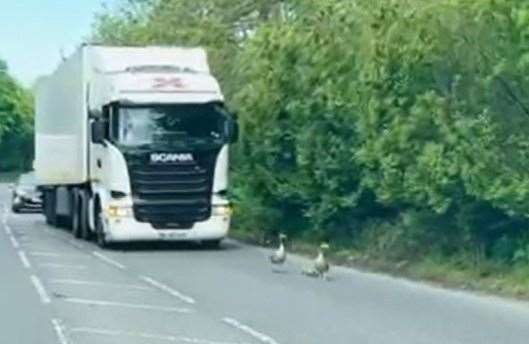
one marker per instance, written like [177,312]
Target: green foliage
[403,122]
[16,124]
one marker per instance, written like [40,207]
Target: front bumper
[129,230]
[20,202]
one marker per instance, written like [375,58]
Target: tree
[360,110]
[16,123]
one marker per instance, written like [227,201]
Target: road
[57,290]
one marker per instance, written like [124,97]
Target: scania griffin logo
[167,158]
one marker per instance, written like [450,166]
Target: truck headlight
[222,210]
[119,211]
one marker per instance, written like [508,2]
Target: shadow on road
[227,246]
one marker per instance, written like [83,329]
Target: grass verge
[488,277]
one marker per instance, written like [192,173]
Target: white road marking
[263,338]
[40,290]
[167,289]
[126,305]
[63,266]
[109,261]
[24,259]
[45,254]
[100,284]
[169,338]
[14,242]
[7,229]
[59,330]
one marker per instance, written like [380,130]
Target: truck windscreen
[168,124]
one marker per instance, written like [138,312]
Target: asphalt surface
[58,290]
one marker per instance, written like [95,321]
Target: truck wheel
[76,215]
[49,208]
[98,221]
[83,212]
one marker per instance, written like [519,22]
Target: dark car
[26,195]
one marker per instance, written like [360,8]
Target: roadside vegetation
[16,125]
[395,130]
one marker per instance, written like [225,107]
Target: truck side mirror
[232,130]
[98,131]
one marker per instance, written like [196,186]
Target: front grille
[173,195]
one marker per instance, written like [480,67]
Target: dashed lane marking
[97,284]
[263,338]
[24,259]
[59,331]
[126,305]
[150,336]
[169,290]
[46,254]
[63,266]
[14,242]
[40,289]
[109,261]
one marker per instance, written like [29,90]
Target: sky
[33,33]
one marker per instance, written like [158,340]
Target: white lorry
[131,144]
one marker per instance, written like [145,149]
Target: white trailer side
[61,125]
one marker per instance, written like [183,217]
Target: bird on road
[279,257]
[320,267]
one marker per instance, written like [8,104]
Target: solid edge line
[109,261]
[59,331]
[263,338]
[169,290]
[40,290]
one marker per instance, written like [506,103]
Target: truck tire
[76,215]
[99,231]
[63,221]
[86,234]
[49,208]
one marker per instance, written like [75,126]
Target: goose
[280,255]
[320,266]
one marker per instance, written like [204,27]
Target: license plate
[173,235]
